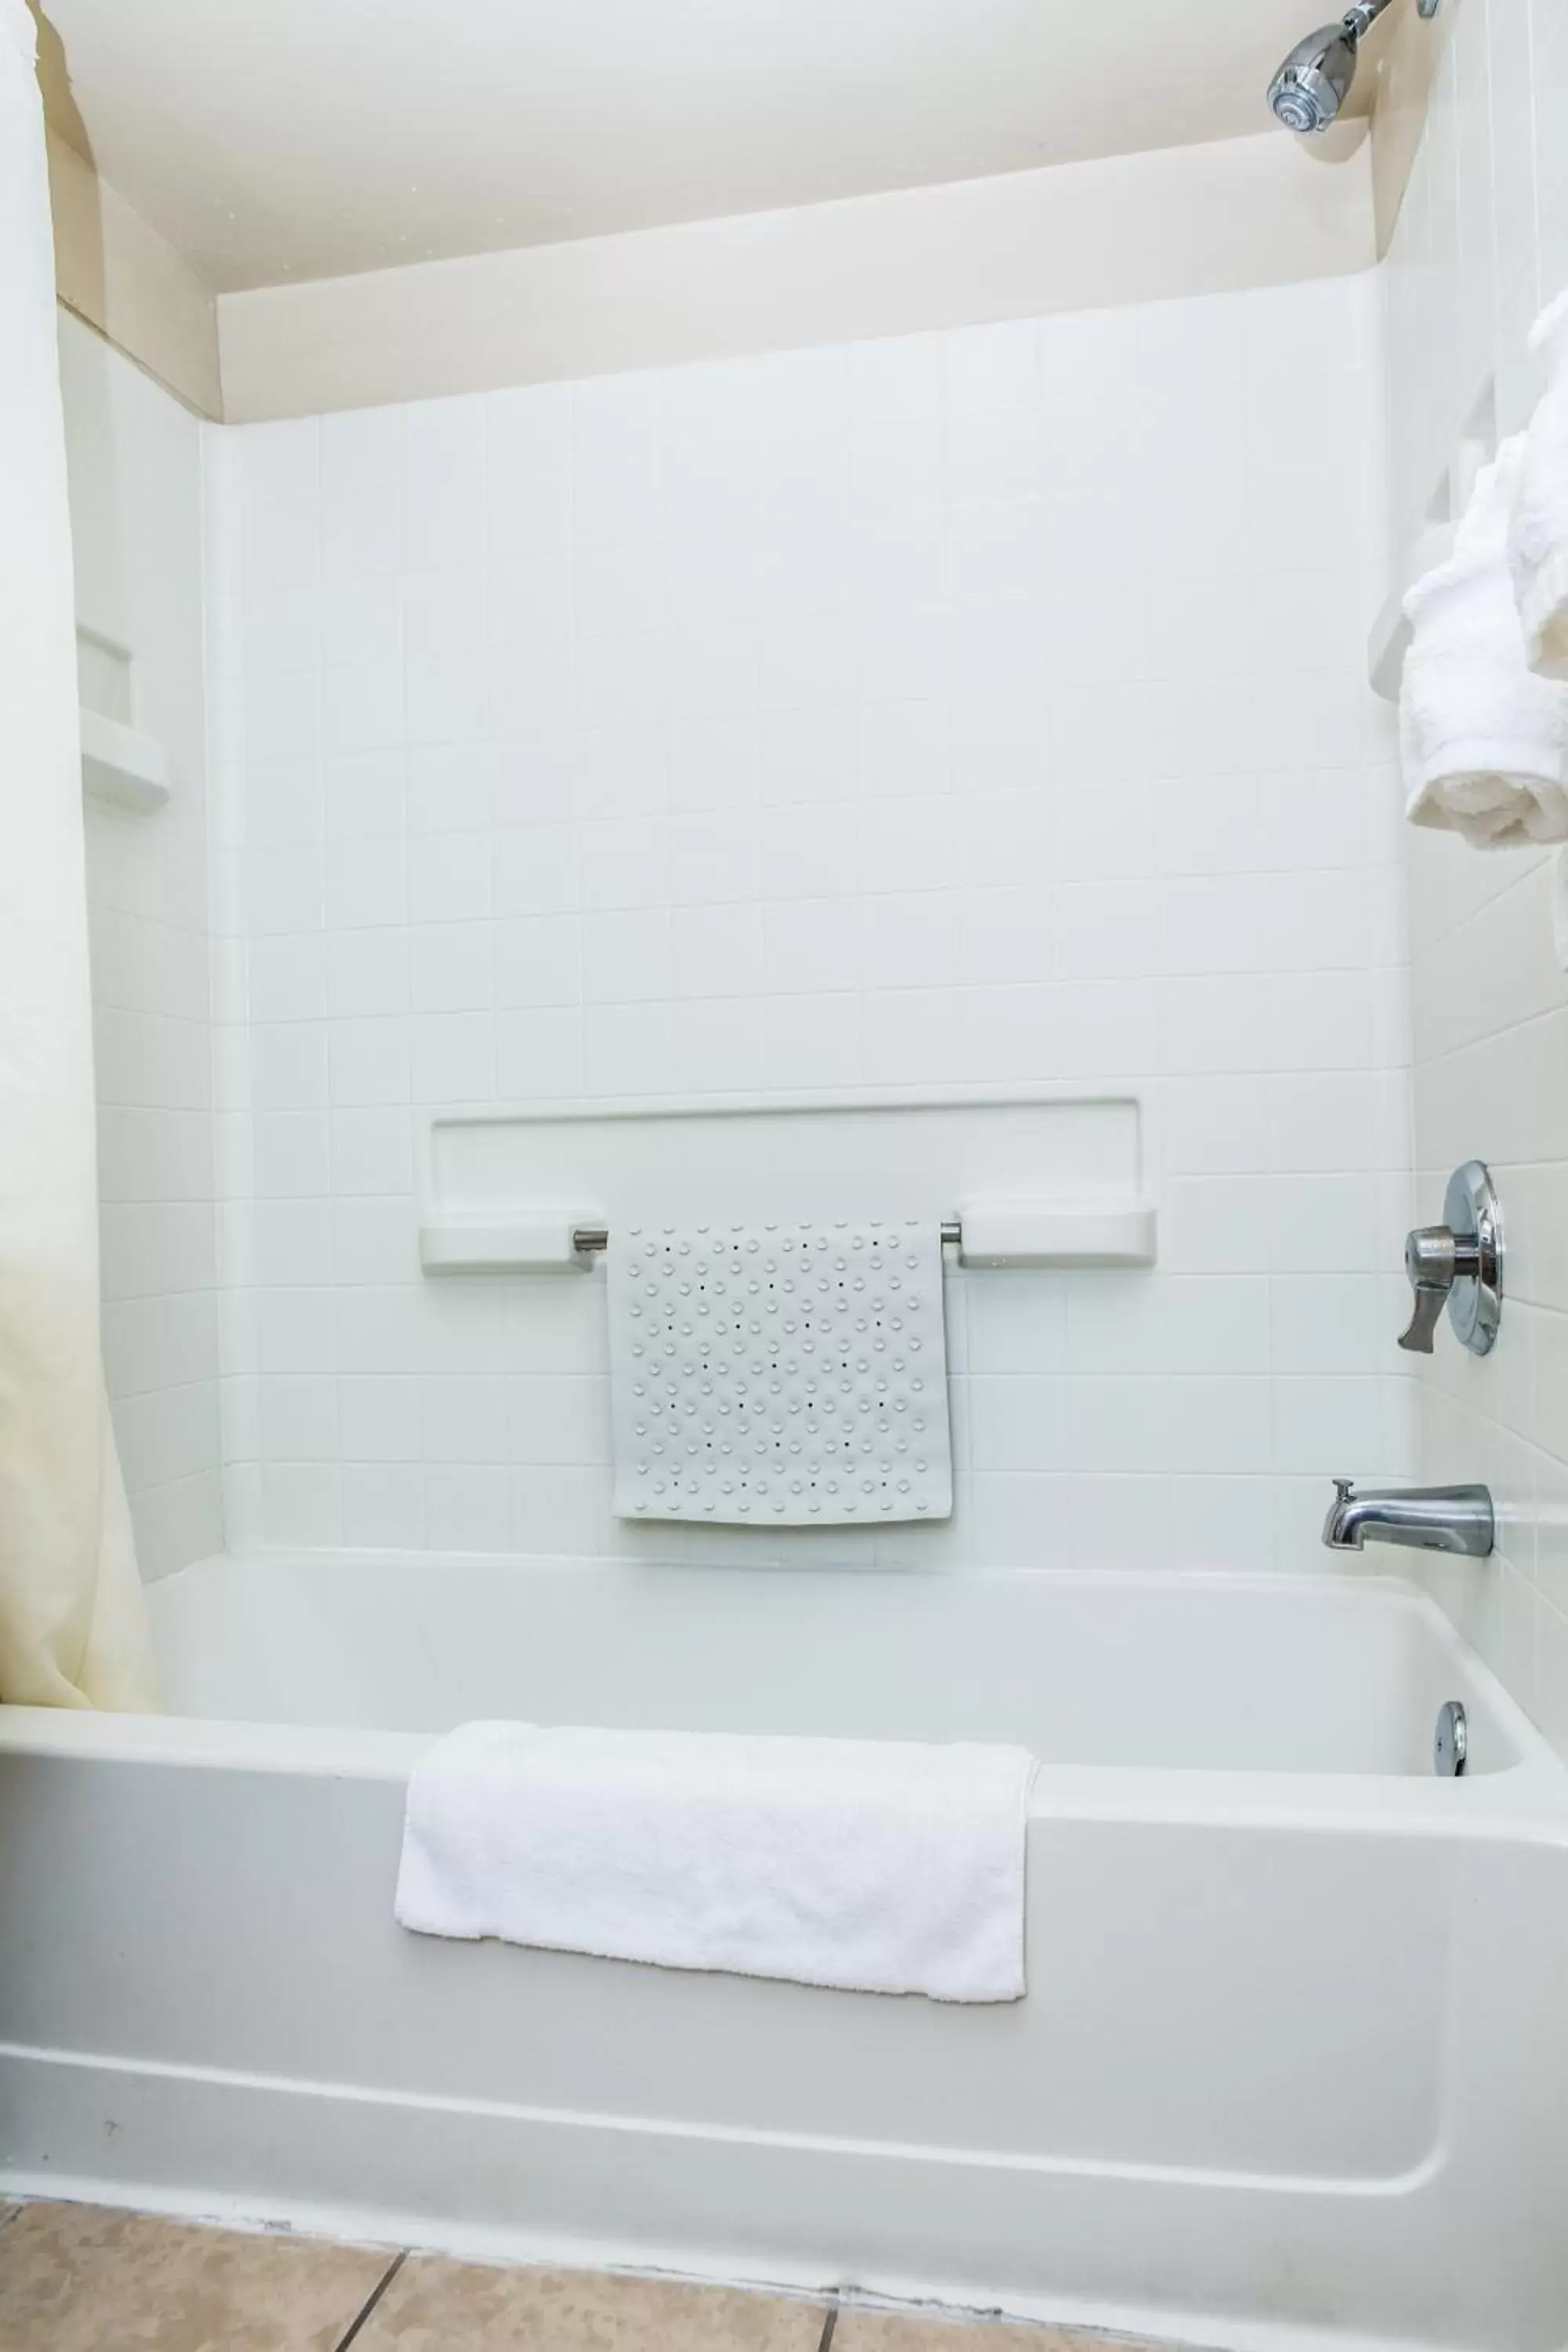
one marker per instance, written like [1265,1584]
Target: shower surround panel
[942,710]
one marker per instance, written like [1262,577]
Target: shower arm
[1364,13]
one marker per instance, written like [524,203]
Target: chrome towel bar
[586,1239]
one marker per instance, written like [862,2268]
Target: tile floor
[82,2278]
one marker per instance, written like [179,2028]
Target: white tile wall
[1481,243]
[976,706]
[136,513]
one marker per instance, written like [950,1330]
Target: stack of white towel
[1484,700]
[1538,548]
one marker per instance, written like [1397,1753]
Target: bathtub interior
[1221,1673]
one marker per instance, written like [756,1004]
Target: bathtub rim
[1528,1798]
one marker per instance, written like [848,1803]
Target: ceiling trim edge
[1179,221]
[119,276]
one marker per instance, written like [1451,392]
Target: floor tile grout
[959,2322]
[372,2299]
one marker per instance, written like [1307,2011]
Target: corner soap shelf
[119,765]
[1030,1178]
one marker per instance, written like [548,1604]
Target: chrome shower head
[1314,81]
[1315,78]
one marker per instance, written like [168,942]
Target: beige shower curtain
[72,1629]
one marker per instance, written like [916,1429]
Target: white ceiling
[273,140]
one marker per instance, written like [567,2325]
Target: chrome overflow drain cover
[1451,1741]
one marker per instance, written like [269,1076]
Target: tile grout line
[372,2299]
[825,2341]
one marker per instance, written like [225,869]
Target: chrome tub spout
[1427,1519]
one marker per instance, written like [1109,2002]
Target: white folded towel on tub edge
[876,1866]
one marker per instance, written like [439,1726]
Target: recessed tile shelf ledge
[1001,1236]
[121,766]
[1105,1234]
[1033,1178]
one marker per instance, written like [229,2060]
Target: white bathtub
[1291,2067]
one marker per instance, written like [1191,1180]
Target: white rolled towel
[1538,540]
[1484,740]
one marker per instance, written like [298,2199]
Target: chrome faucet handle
[1434,1258]
[1457,1265]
